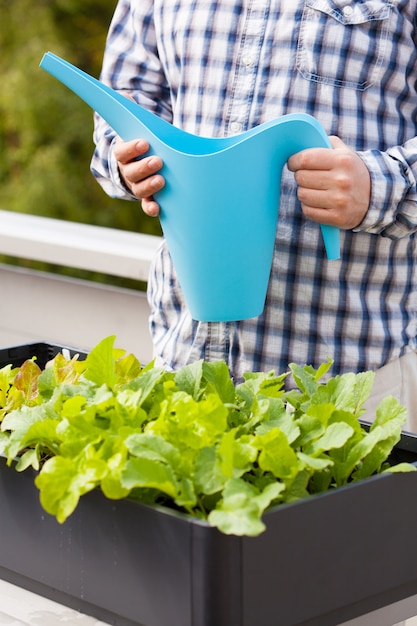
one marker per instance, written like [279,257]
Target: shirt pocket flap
[353,12]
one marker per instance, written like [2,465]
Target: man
[216,68]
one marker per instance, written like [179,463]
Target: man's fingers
[150,207]
[140,172]
[126,151]
[316,179]
[312,159]
[149,186]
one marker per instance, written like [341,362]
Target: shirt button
[247,60]
[235,127]
[347,11]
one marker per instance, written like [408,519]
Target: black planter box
[41,350]
[321,561]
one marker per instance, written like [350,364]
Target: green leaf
[323,369]
[299,487]
[244,455]
[320,481]
[127,368]
[188,423]
[208,477]
[400,467]
[152,447]
[384,433]
[313,463]
[311,427]
[129,406]
[19,422]
[111,483]
[100,363]
[11,398]
[357,454]
[242,506]
[55,484]
[4,440]
[363,388]
[188,379]
[336,435]
[72,407]
[278,416]
[270,493]
[186,496]
[390,414]
[7,374]
[346,392]
[238,513]
[248,420]
[149,473]
[225,453]
[30,458]
[305,379]
[62,481]
[272,385]
[217,374]
[146,384]
[59,371]
[42,434]
[266,383]
[338,391]
[277,456]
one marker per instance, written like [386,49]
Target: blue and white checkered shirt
[219,67]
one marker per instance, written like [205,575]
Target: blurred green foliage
[46,130]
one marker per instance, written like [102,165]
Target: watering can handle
[331,238]
[312,135]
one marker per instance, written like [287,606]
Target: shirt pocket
[343,44]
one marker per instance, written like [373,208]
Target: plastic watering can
[219,207]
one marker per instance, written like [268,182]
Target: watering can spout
[222,251]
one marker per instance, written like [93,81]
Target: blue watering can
[219,207]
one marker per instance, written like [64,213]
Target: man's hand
[140,175]
[334,186]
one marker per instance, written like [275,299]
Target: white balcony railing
[39,306]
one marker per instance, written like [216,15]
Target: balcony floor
[19,607]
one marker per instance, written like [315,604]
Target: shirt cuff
[389,187]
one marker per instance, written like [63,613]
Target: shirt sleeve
[392,212]
[131,65]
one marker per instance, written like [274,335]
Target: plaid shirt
[219,67]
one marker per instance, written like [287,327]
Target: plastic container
[220,205]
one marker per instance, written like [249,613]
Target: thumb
[336,142]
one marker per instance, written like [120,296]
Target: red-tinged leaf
[26,379]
